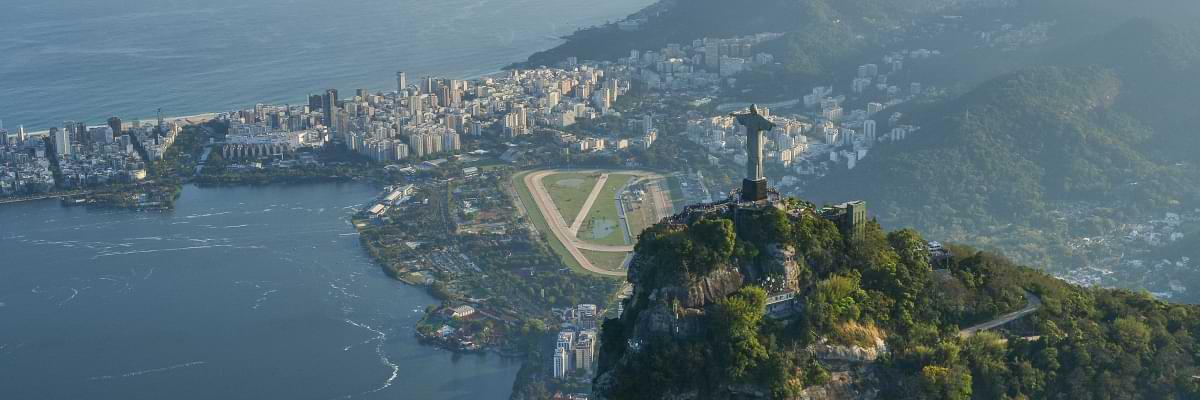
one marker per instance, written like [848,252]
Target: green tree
[942,383]
[734,331]
[835,300]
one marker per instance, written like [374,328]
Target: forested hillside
[1001,151]
[1158,64]
[875,317]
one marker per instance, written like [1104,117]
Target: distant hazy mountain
[1159,66]
[682,21]
[1110,121]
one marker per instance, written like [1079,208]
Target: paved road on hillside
[1035,303]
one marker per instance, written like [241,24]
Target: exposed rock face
[678,308]
[705,290]
[674,308]
[782,262]
[845,385]
[828,352]
[852,374]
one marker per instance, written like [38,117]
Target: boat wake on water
[379,339]
[148,371]
[122,253]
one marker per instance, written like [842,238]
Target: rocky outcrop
[673,302]
[853,372]
[828,352]
[845,385]
[781,263]
[704,290]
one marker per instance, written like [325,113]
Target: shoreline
[47,196]
[199,119]
[207,116]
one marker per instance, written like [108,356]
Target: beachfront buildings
[430,118]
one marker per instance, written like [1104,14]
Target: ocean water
[86,60]
[240,293]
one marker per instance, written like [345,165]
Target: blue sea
[86,60]
[238,293]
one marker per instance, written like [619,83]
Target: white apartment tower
[561,361]
[62,142]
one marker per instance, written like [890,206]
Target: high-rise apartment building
[869,130]
[330,103]
[62,141]
[115,124]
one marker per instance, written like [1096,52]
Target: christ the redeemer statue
[754,188]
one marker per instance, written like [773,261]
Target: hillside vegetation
[689,333]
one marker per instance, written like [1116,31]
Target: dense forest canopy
[880,287]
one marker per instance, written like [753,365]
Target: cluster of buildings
[847,135]
[84,155]
[722,135]
[430,117]
[826,133]
[458,338]
[394,196]
[99,155]
[648,135]
[1010,37]
[24,167]
[248,141]
[1134,252]
[702,63]
[575,349]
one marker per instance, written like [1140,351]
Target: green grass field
[676,188]
[640,216]
[569,191]
[603,223]
[605,260]
[539,222]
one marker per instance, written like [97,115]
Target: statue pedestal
[754,190]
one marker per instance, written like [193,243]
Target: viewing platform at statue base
[753,190]
[765,196]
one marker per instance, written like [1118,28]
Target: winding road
[1035,303]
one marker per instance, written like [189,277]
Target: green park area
[603,222]
[535,216]
[678,200]
[569,191]
[606,260]
[639,214]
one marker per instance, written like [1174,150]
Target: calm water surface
[86,60]
[240,293]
